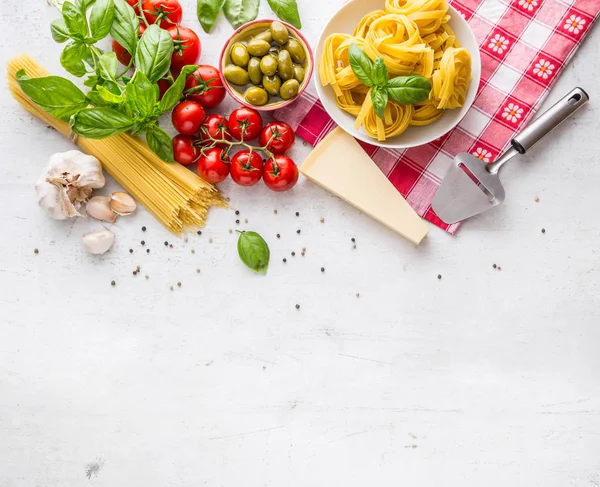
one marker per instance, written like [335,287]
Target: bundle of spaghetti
[425,113]
[451,81]
[428,15]
[176,197]
[336,69]
[365,24]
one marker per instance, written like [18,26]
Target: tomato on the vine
[245,123]
[213,165]
[135,5]
[215,127]
[277,137]
[184,150]
[168,11]
[205,86]
[187,117]
[123,54]
[280,173]
[187,47]
[246,168]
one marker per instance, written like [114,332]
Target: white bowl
[344,21]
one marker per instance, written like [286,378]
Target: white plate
[344,21]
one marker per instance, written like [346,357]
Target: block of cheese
[340,165]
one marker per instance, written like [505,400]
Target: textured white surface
[484,377]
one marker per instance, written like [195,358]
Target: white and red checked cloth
[524,45]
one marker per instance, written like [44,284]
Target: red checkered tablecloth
[524,45]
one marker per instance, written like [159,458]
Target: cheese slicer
[473,186]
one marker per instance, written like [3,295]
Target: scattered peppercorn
[297,213]
[166,244]
[297,306]
[322,269]
[245,220]
[293,254]
[135,273]
[536,199]
[113,283]
[171,288]
[543,230]
[147,276]
[131,251]
[302,254]
[36,251]
[499,268]
[275,212]
[170,246]
[138,268]
[303,249]
[193,251]
[358,295]
[199,232]
[353,239]
[237,212]
[494,266]
[143,229]
[439,276]
[298,232]
[284,260]
[178,284]
[198,270]
[230,230]
[354,246]
[278,236]
[322,220]
[143,243]
[147,251]
[237,222]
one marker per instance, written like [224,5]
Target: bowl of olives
[266,64]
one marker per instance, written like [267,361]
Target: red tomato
[184,150]
[245,123]
[246,168]
[163,85]
[205,86]
[187,47]
[134,4]
[213,165]
[122,54]
[281,173]
[215,127]
[277,137]
[187,117]
[168,11]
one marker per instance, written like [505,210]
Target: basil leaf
[287,10]
[108,65]
[160,143]
[58,96]
[238,12]
[175,91]
[95,99]
[126,26]
[59,31]
[153,54]
[207,11]
[91,81]
[141,95]
[108,96]
[254,251]
[72,58]
[101,18]
[380,72]
[379,97]
[409,89]
[75,19]
[361,65]
[100,123]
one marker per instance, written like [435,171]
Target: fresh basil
[91,81]
[58,96]
[175,91]
[101,19]
[153,54]
[160,143]
[409,89]
[207,11]
[108,96]
[379,97]
[72,58]
[96,99]
[59,31]
[141,95]
[74,15]
[238,12]
[108,65]
[254,251]
[287,10]
[380,72]
[100,123]
[126,26]
[361,65]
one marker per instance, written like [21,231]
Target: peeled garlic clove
[122,203]
[99,208]
[98,242]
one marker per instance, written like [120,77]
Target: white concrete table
[485,377]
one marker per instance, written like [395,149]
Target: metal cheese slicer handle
[542,126]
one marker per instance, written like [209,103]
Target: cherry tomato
[207,88]
[281,173]
[245,123]
[123,54]
[215,127]
[134,4]
[184,150]
[168,11]
[187,117]
[163,85]
[246,168]
[213,165]
[187,47]
[277,137]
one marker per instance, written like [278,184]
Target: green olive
[258,48]
[296,51]
[236,75]
[239,55]
[285,68]
[268,65]
[272,84]
[254,70]
[279,32]
[264,36]
[256,96]
[298,73]
[289,89]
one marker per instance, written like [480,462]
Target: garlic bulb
[99,208]
[98,242]
[66,182]
[122,203]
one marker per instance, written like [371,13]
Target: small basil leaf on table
[379,97]
[72,58]
[238,12]
[153,53]
[101,18]
[409,90]
[361,65]
[141,95]
[175,91]
[59,31]
[254,251]
[160,143]
[100,123]
[74,15]
[207,11]
[58,96]
[108,65]
[287,10]
[380,72]
[126,26]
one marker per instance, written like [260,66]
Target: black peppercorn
[147,251]
[284,260]
[278,236]
[237,212]
[143,229]
[131,251]
[353,239]
[298,232]
[322,269]
[199,232]
[143,243]
[297,214]
[166,244]
[237,222]
[297,306]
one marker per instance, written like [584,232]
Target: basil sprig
[254,251]
[406,90]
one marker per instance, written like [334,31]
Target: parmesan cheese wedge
[340,165]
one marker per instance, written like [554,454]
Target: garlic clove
[98,243]
[99,208]
[122,203]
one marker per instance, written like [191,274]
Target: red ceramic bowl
[244,33]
